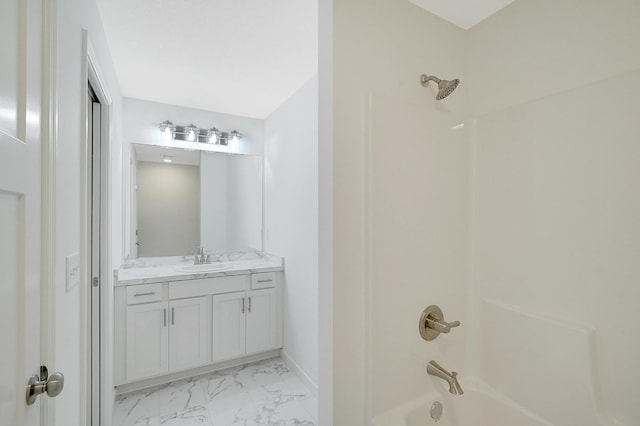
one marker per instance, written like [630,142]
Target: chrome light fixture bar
[192,133]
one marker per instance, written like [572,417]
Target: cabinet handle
[150,293]
[249,304]
[265,281]
[243,305]
[173,316]
[165,317]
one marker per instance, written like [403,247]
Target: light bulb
[167,130]
[190,133]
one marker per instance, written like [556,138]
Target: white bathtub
[480,405]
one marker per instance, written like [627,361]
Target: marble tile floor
[261,393]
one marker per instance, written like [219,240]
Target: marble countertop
[162,269]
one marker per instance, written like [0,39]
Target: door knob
[37,385]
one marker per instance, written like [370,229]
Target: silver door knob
[39,384]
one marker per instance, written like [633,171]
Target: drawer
[263,280]
[207,286]
[144,293]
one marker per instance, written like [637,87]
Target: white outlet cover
[73,271]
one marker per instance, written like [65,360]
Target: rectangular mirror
[184,199]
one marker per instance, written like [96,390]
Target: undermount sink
[205,267]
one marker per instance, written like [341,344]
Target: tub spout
[435,369]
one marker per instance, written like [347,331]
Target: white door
[189,333]
[147,340]
[261,320]
[228,325]
[21,353]
[20,278]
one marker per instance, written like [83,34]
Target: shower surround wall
[418,257]
[556,206]
[541,269]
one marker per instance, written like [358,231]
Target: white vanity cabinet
[166,336]
[228,326]
[244,323]
[147,340]
[261,320]
[189,333]
[181,326]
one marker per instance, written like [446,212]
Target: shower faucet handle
[441,325]
[432,323]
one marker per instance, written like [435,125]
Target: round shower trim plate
[432,312]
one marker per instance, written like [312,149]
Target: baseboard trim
[313,387]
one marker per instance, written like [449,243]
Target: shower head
[445,87]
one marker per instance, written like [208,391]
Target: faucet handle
[441,325]
[432,323]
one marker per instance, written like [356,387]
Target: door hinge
[95,282]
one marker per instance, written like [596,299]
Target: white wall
[291,219]
[141,119]
[380,49]
[168,209]
[244,202]
[325,213]
[231,202]
[72,17]
[213,211]
[556,205]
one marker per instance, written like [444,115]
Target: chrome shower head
[445,87]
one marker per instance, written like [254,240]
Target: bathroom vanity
[174,319]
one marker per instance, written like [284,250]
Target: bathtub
[480,405]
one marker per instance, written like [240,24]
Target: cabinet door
[228,326]
[261,320]
[188,333]
[147,340]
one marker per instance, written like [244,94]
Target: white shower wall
[418,203]
[380,49]
[542,270]
[556,206]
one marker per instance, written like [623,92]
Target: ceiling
[463,13]
[241,57]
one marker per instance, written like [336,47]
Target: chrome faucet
[202,258]
[435,369]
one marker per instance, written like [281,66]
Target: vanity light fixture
[168,130]
[213,135]
[235,136]
[167,158]
[191,133]
[223,139]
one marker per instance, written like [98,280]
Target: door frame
[49,143]
[92,76]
